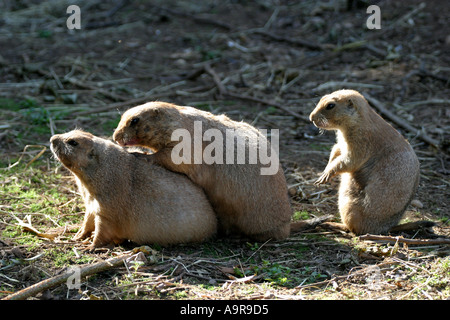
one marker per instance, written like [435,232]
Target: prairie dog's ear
[93,155]
[351,103]
[356,101]
[155,111]
[152,112]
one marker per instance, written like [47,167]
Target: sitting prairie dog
[379,169]
[246,201]
[129,197]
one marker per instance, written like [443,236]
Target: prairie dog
[379,169]
[246,201]
[129,197]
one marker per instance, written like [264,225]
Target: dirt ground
[270,62]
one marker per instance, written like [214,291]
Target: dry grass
[261,63]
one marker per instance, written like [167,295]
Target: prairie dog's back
[250,198]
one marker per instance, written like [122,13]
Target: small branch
[296,41]
[119,105]
[62,278]
[44,148]
[269,103]
[79,83]
[216,79]
[324,58]
[344,84]
[29,227]
[143,99]
[223,91]
[300,226]
[403,240]
[427,102]
[210,21]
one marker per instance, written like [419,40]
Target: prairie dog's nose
[117,136]
[312,116]
[54,138]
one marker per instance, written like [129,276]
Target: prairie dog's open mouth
[127,143]
[321,123]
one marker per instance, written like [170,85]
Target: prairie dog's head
[338,110]
[75,149]
[147,125]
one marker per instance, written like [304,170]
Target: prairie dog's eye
[330,106]
[134,121]
[72,142]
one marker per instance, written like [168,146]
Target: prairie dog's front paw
[324,178]
[82,234]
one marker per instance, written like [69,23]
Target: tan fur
[245,201]
[379,169]
[129,197]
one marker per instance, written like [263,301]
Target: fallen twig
[60,279]
[198,19]
[119,105]
[345,84]
[300,226]
[29,227]
[404,240]
[426,102]
[223,91]
[80,84]
[44,148]
[296,41]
